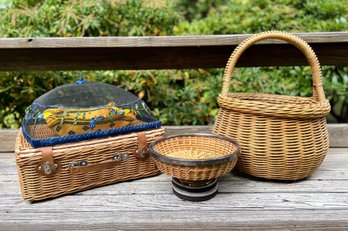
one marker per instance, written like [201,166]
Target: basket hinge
[47,167]
[142,152]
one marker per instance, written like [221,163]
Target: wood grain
[317,203]
[7,139]
[157,41]
[338,135]
[164,52]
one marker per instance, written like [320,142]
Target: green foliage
[176,96]
[253,16]
[198,9]
[85,18]
[19,89]
[336,87]
[4,2]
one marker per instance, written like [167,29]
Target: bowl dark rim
[195,163]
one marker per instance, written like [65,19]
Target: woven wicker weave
[98,153]
[281,137]
[195,157]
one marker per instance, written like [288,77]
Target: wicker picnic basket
[62,169]
[281,137]
[83,135]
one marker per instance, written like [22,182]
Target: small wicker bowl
[195,157]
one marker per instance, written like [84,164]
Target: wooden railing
[167,52]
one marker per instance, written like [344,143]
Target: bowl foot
[195,190]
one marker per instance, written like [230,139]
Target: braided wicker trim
[274,105]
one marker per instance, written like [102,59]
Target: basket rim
[195,163]
[259,106]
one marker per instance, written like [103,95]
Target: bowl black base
[195,190]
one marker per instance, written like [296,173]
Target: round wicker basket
[195,157]
[281,137]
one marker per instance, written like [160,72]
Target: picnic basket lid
[82,111]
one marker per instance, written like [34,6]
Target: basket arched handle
[318,91]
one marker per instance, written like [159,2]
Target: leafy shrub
[85,18]
[19,89]
[198,9]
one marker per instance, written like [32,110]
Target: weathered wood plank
[175,130]
[197,220]
[7,139]
[157,41]
[165,52]
[170,203]
[228,184]
[242,203]
[153,211]
[231,183]
[338,135]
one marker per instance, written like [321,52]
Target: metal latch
[77,164]
[47,168]
[121,156]
[84,163]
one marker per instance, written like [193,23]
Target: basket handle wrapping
[318,91]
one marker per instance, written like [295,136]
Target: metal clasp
[77,164]
[142,153]
[47,168]
[120,156]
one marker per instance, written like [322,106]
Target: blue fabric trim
[36,143]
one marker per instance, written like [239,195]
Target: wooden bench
[320,202]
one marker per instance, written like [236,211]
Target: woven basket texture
[281,137]
[35,186]
[207,148]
